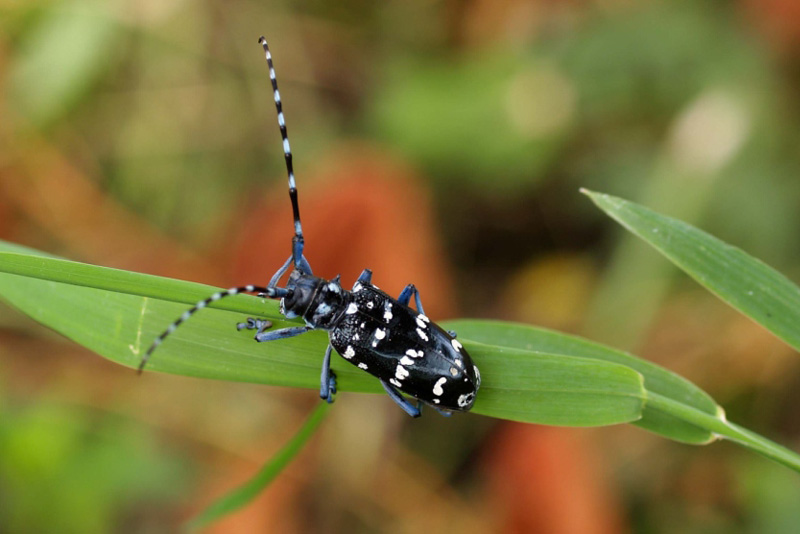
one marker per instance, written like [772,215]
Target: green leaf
[723,428]
[656,379]
[747,284]
[529,374]
[742,281]
[145,285]
[247,492]
[117,314]
[554,389]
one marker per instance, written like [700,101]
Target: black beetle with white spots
[404,349]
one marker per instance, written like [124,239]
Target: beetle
[382,335]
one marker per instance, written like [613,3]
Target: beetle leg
[404,403]
[275,277]
[328,379]
[254,324]
[281,334]
[405,297]
[365,277]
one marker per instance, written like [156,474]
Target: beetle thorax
[318,301]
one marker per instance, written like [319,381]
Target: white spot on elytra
[421,323]
[436,401]
[405,360]
[437,387]
[464,400]
[415,353]
[370,304]
[424,317]
[352,308]
[401,372]
[456,344]
[349,352]
[454,371]
[379,334]
[422,334]
[395,382]
[459,362]
[362,365]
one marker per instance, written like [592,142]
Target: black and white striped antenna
[298,241]
[297,258]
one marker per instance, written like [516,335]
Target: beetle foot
[254,324]
[327,396]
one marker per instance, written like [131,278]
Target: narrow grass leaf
[84,274]
[529,375]
[656,379]
[722,428]
[115,314]
[747,284]
[242,495]
[554,389]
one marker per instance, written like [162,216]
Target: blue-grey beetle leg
[404,403]
[405,297]
[328,378]
[282,333]
[365,277]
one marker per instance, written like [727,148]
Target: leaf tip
[594,196]
[604,201]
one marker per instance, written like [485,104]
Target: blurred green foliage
[771,497]
[60,59]
[65,468]
[491,121]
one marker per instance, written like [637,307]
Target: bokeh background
[436,142]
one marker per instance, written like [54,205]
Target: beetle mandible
[400,346]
